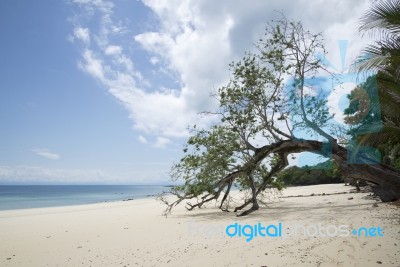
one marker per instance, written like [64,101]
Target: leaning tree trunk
[386,178]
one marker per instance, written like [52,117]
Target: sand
[134,233]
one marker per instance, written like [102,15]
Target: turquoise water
[38,196]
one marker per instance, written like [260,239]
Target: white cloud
[154,60]
[142,139]
[194,43]
[196,49]
[82,34]
[163,113]
[161,142]
[46,153]
[113,50]
[337,100]
[92,65]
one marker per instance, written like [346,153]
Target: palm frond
[372,60]
[382,58]
[388,132]
[383,17]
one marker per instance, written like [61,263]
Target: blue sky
[96,91]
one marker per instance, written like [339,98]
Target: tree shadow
[280,211]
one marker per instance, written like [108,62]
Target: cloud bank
[187,49]
[24,174]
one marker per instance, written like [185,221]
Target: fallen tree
[264,111]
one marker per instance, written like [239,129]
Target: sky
[102,92]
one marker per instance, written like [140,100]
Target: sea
[39,196]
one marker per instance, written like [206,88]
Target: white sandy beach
[134,233]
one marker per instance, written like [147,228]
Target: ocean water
[38,196]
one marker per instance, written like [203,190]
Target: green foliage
[323,173]
[383,57]
[208,154]
[254,114]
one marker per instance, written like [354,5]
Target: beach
[315,223]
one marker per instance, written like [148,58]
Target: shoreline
[131,198]
[78,205]
[27,197]
[134,233]
[235,193]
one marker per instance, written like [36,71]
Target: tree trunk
[386,178]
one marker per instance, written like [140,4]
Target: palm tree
[382,21]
